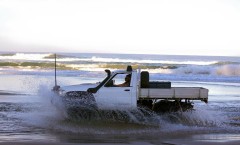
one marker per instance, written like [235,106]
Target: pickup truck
[156,96]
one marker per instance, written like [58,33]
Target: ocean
[27,114]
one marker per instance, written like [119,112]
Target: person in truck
[126,83]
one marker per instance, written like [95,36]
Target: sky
[178,27]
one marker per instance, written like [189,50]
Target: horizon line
[2,52]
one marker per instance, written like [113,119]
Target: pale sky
[181,27]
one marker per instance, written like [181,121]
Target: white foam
[43,57]
[99,59]
[37,57]
[228,70]
[24,56]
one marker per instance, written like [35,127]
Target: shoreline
[187,139]
[174,142]
[10,93]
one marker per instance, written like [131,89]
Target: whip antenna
[55,55]
[56,87]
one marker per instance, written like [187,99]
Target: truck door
[116,93]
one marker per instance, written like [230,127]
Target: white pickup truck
[157,96]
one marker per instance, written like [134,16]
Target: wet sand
[7,93]
[178,142]
[194,139]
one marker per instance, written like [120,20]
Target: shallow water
[28,115]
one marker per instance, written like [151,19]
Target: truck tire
[144,79]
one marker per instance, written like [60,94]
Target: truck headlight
[61,93]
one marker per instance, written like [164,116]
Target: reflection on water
[217,137]
[23,137]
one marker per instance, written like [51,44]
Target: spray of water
[229,70]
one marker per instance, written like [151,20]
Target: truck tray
[190,93]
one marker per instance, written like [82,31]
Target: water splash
[50,113]
[228,70]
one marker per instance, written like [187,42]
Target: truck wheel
[164,106]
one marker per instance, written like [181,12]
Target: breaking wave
[116,59]
[229,70]
[223,70]
[190,68]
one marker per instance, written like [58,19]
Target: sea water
[28,113]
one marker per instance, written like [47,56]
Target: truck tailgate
[191,93]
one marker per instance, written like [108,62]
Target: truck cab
[113,94]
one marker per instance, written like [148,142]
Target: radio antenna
[56,87]
[55,55]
